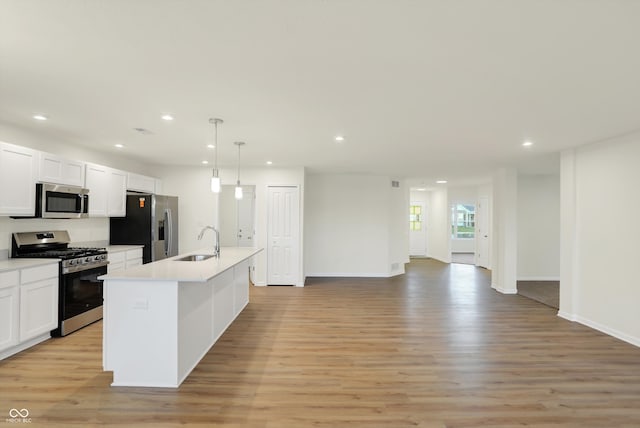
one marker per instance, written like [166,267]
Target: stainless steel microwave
[61,201]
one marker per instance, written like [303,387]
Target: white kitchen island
[161,318]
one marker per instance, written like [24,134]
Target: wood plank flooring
[433,348]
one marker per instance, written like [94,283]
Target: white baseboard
[504,290]
[567,316]
[24,345]
[347,275]
[601,327]
[538,278]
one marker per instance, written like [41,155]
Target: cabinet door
[96,180]
[141,183]
[8,317]
[38,308]
[117,191]
[54,169]
[18,173]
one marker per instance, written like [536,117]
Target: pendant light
[238,192]
[215,179]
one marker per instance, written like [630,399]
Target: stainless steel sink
[194,258]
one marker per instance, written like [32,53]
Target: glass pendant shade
[215,179]
[215,182]
[238,192]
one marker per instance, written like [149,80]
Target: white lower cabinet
[38,308]
[121,260]
[9,308]
[28,307]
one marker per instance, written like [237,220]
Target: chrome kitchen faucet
[216,248]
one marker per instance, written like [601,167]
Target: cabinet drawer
[39,273]
[116,257]
[134,254]
[9,279]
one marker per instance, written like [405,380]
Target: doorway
[237,217]
[417,229]
[463,233]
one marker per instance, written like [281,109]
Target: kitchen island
[161,318]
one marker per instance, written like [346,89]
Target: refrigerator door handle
[168,240]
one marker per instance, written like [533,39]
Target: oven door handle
[80,268]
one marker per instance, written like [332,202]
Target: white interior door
[245,217]
[283,237]
[483,255]
[417,229]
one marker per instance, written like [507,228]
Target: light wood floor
[433,348]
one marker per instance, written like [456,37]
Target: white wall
[199,207]
[504,253]
[485,191]
[538,227]
[349,226]
[599,284]
[398,228]
[439,226]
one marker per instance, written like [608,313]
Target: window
[463,221]
[415,218]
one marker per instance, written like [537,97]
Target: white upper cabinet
[96,180]
[107,191]
[117,193]
[141,183]
[18,174]
[54,169]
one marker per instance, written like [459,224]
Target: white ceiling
[420,89]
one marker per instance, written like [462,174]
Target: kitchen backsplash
[80,230]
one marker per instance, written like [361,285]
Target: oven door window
[81,291]
[59,202]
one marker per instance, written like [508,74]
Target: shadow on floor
[545,292]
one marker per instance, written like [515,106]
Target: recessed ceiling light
[211,146]
[119,146]
[421,189]
[40,117]
[167,117]
[441,181]
[339,138]
[269,163]
[204,162]
[527,144]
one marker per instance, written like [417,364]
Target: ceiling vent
[395,183]
[143,131]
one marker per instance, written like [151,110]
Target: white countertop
[14,264]
[174,270]
[121,248]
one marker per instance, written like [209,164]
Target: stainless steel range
[80,291]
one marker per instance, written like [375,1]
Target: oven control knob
[71,262]
[87,260]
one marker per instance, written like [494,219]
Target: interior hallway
[435,347]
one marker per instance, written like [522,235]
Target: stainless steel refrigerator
[152,221]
